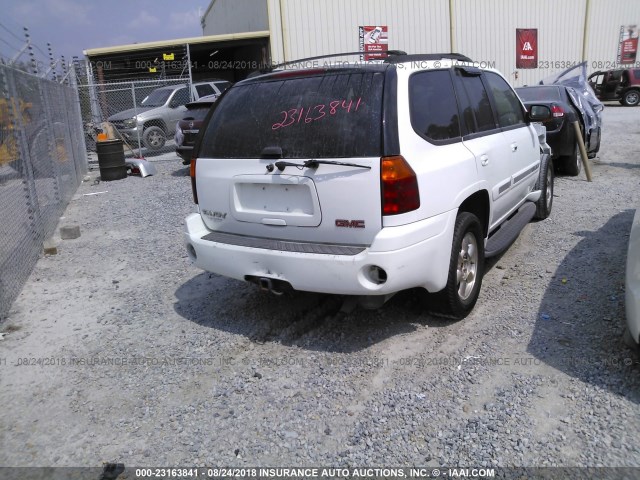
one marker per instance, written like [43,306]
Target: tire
[466,269]
[597,149]
[631,98]
[153,138]
[545,184]
[572,164]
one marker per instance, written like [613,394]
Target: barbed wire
[11,33]
[36,60]
[10,44]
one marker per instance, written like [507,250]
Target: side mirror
[539,113]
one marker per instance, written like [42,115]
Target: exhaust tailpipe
[277,287]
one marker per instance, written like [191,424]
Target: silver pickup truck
[155,119]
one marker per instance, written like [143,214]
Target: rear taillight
[557,111]
[399,186]
[192,174]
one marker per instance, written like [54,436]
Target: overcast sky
[72,26]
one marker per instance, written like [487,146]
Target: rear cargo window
[538,94]
[197,113]
[333,115]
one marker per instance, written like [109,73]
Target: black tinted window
[507,104]
[204,90]
[222,86]
[636,74]
[475,105]
[330,115]
[197,113]
[532,94]
[434,111]
[616,75]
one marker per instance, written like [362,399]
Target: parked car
[632,284]
[154,120]
[621,84]
[187,129]
[561,135]
[368,180]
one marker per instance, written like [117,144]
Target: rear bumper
[414,255]
[562,142]
[185,152]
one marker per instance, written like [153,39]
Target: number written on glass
[315,113]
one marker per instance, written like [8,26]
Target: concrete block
[69,232]
[50,247]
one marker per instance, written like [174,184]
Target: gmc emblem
[350,223]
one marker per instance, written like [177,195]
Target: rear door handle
[484,160]
[514,147]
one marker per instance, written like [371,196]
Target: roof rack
[427,57]
[271,68]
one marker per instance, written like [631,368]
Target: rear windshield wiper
[281,164]
[315,163]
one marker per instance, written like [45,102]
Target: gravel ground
[226,375]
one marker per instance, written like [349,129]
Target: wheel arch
[155,122]
[478,205]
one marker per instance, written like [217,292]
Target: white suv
[368,180]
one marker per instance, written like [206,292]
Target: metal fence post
[135,114]
[50,133]
[80,146]
[190,77]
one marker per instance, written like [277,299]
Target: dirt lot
[118,350]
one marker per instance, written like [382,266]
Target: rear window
[197,113]
[222,86]
[534,94]
[204,90]
[333,115]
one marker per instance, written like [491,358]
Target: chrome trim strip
[282,245]
[525,174]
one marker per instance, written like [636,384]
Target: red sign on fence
[526,48]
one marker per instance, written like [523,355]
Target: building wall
[235,16]
[603,30]
[486,32]
[483,30]
[317,27]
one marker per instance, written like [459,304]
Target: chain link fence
[142,113]
[42,162]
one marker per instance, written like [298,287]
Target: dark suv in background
[621,85]
[188,128]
